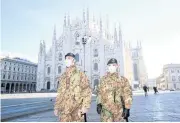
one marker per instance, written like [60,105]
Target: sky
[156,23]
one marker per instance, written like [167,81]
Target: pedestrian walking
[155,90]
[145,88]
[114,95]
[74,94]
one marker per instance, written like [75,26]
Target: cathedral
[93,45]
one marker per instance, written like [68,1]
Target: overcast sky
[155,22]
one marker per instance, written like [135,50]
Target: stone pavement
[160,107]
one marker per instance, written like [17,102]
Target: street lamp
[84,41]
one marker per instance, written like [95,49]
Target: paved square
[160,107]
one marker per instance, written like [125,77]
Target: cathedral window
[77,57]
[60,57]
[48,70]
[95,66]
[173,78]
[95,52]
[59,69]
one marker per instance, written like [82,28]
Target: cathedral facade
[92,57]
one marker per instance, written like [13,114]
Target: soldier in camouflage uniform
[74,94]
[114,95]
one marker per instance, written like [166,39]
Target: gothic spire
[100,24]
[84,20]
[54,33]
[68,19]
[115,34]
[65,20]
[120,33]
[107,22]
[87,14]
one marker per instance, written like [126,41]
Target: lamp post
[84,41]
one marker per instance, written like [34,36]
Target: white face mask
[112,69]
[68,62]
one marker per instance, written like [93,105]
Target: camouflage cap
[112,61]
[70,54]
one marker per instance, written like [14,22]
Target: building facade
[139,69]
[160,82]
[100,47]
[18,75]
[170,78]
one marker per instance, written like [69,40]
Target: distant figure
[155,90]
[145,88]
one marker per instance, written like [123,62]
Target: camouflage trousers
[106,116]
[71,117]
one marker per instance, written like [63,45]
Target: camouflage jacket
[74,91]
[113,91]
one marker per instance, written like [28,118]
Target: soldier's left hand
[82,111]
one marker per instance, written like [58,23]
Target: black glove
[126,113]
[99,108]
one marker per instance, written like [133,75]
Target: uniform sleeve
[127,94]
[86,91]
[59,95]
[98,99]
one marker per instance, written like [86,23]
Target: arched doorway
[2,84]
[7,87]
[28,88]
[48,85]
[96,82]
[16,88]
[20,90]
[3,87]
[12,88]
[24,87]
[31,87]
[34,88]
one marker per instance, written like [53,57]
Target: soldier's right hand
[126,113]
[99,108]
[56,112]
